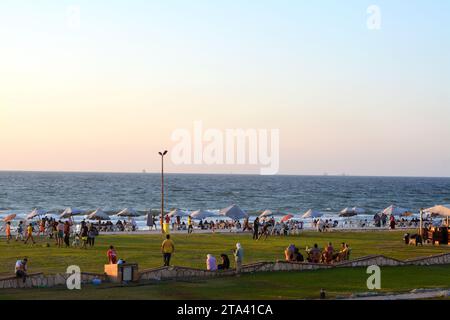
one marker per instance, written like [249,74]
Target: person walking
[20,231]
[167,249]
[238,257]
[29,234]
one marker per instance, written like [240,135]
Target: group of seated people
[315,255]
[211,263]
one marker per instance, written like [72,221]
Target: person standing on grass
[167,249]
[84,235]
[29,234]
[60,228]
[21,269]
[67,226]
[19,231]
[190,227]
[255,228]
[112,255]
[8,231]
[91,235]
[238,257]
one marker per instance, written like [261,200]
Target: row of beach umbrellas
[236,213]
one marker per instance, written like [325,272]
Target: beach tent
[395,211]
[9,217]
[287,217]
[312,214]
[202,214]
[233,212]
[350,212]
[98,215]
[128,213]
[443,211]
[178,213]
[69,212]
[35,213]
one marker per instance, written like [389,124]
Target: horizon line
[218,173]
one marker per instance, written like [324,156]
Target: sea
[21,192]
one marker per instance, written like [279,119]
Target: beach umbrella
[178,213]
[270,213]
[98,215]
[202,214]
[35,213]
[443,211]
[9,217]
[128,213]
[395,211]
[350,212]
[287,217]
[312,214]
[69,212]
[233,212]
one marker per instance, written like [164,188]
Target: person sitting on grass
[298,257]
[289,253]
[211,264]
[327,255]
[21,269]
[225,265]
[313,254]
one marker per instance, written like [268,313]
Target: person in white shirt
[21,269]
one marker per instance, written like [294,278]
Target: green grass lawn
[279,285]
[191,250]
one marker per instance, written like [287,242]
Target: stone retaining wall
[184,273]
[39,280]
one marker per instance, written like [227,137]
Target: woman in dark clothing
[225,265]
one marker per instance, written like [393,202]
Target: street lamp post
[162,154]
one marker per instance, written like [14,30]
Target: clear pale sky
[106,96]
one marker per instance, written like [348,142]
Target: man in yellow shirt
[30,234]
[167,248]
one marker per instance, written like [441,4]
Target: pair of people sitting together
[328,255]
[211,263]
[292,254]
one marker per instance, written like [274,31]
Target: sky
[102,85]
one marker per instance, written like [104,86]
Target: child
[76,240]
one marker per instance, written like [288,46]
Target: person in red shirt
[112,255]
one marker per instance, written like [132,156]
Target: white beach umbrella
[270,213]
[178,213]
[69,212]
[443,211]
[312,214]
[266,213]
[233,212]
[98,215]
[394,210]
[128,213]
[202,214]
[36,213]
